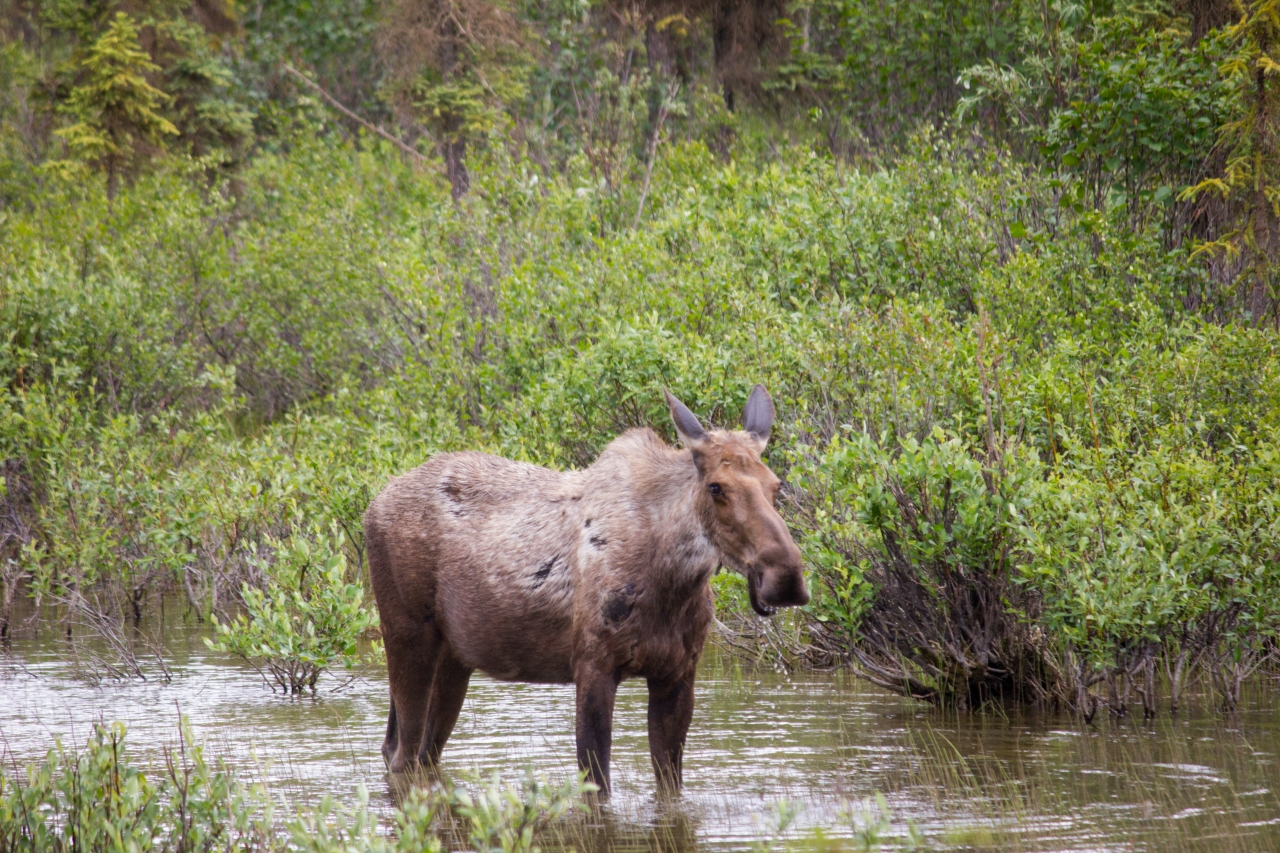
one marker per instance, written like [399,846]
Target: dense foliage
[1014,293]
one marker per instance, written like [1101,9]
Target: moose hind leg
[670,713]
[594,724]
[411,666]
[448,691]
[389,742]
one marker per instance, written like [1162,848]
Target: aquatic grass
[1012,803]
[101,799]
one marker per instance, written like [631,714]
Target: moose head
[736,502]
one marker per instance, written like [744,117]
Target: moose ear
[687,426]
[757,415]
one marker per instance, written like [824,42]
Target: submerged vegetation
[1009,273]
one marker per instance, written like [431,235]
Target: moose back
[587,577]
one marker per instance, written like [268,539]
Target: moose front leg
[670,712]
[594,724]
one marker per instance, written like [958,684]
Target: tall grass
[1122,787]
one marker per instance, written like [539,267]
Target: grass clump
[100,800]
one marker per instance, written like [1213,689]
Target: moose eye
[716,491]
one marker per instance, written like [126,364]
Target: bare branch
[349,114]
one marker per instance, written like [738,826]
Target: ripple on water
[820,740]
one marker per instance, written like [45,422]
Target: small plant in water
[505,818]
[99,800]
[778,821]
[872,825]
[306,619]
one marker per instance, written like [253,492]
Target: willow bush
[309,617]
[917,544]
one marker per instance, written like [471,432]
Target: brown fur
[589,577]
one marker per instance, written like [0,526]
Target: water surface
[822,741]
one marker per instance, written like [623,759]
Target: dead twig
[665,107]
[357,119]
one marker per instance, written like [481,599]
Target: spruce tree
[1250,181]
[116,111]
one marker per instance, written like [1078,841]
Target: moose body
[587,577]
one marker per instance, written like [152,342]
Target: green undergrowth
[1029,443]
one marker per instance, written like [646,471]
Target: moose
[585,577]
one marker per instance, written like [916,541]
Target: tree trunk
[1085,703]
[1263,222]
[454,145]
[455,162]
[1207,15]
[1148,689]
[660,54]
[7,609]
[1175,679]
[113,179]
[725,45]
[1118,691]
[1228,684]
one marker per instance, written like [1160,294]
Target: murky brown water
[1201,782]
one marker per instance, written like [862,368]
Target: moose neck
[684,556]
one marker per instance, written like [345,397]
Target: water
[821,741]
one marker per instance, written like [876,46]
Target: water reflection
[1033,782]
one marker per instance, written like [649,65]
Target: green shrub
[506,818]
[308,617]
[1143,116]
[100,800]
[916,547]
[1174,549]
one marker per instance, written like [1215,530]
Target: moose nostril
[785,588]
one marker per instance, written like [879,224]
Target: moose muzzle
[776,579]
